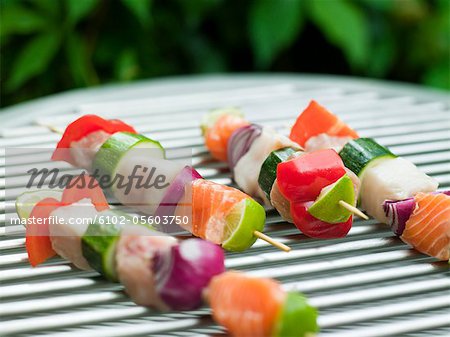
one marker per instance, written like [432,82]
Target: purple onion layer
[240,141]
[181,279]
[175,191]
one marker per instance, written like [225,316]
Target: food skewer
[343,203]
[157,270]
[105,139]
[257,154]
[393,190]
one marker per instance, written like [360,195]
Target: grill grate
[367,284]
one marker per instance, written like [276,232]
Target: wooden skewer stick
[274,243]
[353,209]
[52,128]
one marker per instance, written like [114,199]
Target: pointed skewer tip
[52,128]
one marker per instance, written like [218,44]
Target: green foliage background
[54,45]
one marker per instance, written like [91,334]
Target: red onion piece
[181,278]
[240,142]
[399,211]
[175,191]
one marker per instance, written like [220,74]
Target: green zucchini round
[115,147]
[357,154]
[99,242]
[268,172]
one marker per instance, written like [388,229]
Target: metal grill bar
[367,284]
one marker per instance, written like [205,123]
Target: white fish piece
[324,141]
[157,173]
[137,251]
[246,171]
[83,151]
[69,227]
[392,179]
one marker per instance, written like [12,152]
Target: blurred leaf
[140,8]
[409,11]
[212,62]
[433,37]
[444,5]
[205,57]
[127,65]
[195,11]
[383,5]
[33,59]
[381,57]
[439,76]
[345,26]
[383,51]
[273,26]
[78,61]
[443,30]
[50,7]
[78,9]
[6,3]
[19,20]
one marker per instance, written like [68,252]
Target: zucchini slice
[100,240]
[359,153]
[268,172]
[115,147]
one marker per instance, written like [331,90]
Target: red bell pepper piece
[84,126]
[316,228]
[83,187]
[316,119]
[301,179]
[37,240]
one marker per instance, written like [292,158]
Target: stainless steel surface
[367,284]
